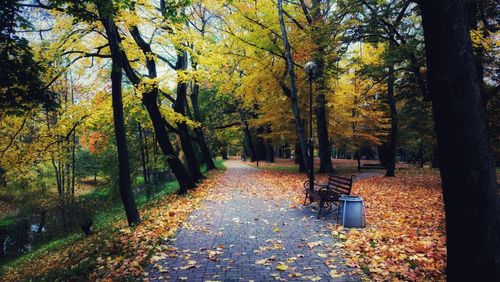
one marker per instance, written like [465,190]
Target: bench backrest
[341,185]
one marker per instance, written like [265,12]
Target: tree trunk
[207,156]
[61,175]
[3,181]
[299,126]
[358,158]
[180,107]
[175,164]
[223,154]
[119,122]
[248,138]
[143,155]
[189,152]
[269,152]
[470,191]
[58,179]
[325,155]
[299,159]
[73,164]
[421,160]
[73,150]
[260,146]
[146,156]
[435,157]
[149,100]
[43,218]
[155,160]
[391,100]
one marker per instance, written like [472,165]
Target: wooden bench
[327,195]
[372,166]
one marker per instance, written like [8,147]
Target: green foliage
[175,10]
[21,88]
[218,109]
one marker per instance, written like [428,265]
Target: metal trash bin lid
[347,198]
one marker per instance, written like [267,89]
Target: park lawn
[405,234]
[114,250]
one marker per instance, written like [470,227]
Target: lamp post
[311,69]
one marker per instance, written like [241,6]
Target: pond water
[31,230]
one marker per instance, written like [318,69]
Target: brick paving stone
[235,227]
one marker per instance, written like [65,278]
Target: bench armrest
[316,185]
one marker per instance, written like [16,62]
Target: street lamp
[311,69]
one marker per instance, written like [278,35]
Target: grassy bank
[114,249]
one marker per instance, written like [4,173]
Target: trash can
[352,212]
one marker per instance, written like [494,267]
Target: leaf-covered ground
[404,239]
[405,235]
[116,251]
[249,228]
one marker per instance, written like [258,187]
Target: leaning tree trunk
[119,121]
[299,126]
[149,100]
[181,174]
[470,191]
[187,147]
[180,107]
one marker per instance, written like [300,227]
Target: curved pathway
[237,235]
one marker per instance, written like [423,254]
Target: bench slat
[338,183]
[341,177]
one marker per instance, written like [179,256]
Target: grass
[104,220]
[7,221]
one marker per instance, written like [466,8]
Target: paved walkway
[236,235]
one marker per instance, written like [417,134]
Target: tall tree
[293,88]
[318,24]
[204,16]
[466,163]
[105,10]
[150,100]
[20,85]
[180,107]
[391,100]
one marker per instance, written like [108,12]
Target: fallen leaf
[281,266]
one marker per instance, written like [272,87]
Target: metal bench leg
[320,208]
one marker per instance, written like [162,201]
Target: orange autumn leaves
[161,220]
[120,253]
[95,141]
[405,237]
